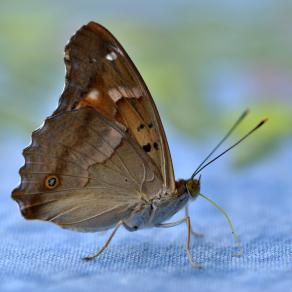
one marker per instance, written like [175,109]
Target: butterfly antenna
[261,123]
[239,120]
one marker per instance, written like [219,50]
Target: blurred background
[204,63]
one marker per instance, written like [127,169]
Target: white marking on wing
[93,94]
[111,56]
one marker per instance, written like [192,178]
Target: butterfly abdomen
[166,208]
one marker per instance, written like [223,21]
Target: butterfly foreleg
[194,233]
[187,220]
[118,225]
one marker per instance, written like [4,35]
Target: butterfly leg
[194,233]
[119,224]
[187,220]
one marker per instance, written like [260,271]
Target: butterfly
[102,160]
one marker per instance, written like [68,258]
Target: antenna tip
[247,110]
[263,121]
[245,113]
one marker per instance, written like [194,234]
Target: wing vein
[119,157]
[94,216]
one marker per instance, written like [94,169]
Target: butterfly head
[193,186]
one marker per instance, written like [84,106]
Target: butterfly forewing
[101,75]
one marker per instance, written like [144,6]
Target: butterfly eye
[193,187]
[51,182]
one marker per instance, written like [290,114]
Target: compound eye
[194,187]
[51,182]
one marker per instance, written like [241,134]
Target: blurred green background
[203,61]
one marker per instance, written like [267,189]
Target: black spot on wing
[155,145]
[142,126]
[147,147]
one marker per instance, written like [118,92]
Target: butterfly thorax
[160,208]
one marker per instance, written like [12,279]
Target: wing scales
[93,193]
[100,74]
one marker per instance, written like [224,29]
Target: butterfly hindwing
[100,173]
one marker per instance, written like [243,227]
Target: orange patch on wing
[100,102]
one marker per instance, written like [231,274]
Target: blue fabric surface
[41,256]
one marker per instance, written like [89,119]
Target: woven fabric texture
[39,256]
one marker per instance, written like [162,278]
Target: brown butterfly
[102,160]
